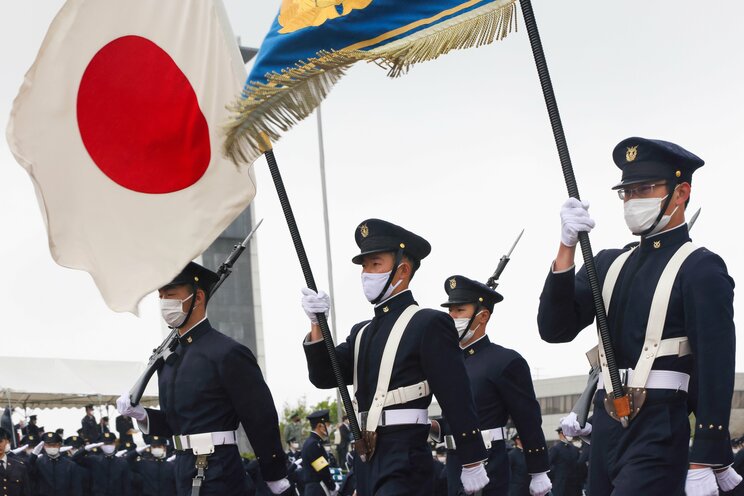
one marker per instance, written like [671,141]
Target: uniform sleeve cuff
[307,341]
[553,271]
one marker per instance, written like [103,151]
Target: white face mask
[372,285]
[640,214]
[461,325]
[157,452]
[172,311]
[108,449]
[51,452]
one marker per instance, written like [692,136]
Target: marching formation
[670,316]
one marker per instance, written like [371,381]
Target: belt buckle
[487,436]
[201,444]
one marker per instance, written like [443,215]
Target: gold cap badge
[364,230]
[631,153]
[453,283]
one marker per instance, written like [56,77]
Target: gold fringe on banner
[290,96]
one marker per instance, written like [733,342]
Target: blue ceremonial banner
[312,42]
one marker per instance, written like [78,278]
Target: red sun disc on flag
[140,120]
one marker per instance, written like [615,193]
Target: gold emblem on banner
[297,14]
[631,153]
[364,230]
[453,283]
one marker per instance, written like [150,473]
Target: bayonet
[493,280]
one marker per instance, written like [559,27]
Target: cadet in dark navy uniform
[502,387]
[109,473]
[91,432]
[13,471]
[564,467]
[316,465]
[214,384]
[30,442]
[54,474]
[519,478]
[692,328]
[424,360]
[76,443]
[157,475]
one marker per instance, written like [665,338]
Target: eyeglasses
[641,191]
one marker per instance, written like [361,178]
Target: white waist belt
[397,417]
[489,436]
[406,394]
[204,443]
[660,379]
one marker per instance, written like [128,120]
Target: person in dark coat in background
[54,474]
[564,463]
[109,473]
[13,471]
[519,478]
[125,426]
[89,425]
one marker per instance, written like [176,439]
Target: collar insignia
[189,339]
[631,153]
[657,244]
[471,351]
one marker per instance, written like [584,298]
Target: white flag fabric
[119,123]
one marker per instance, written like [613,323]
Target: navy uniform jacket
[110,475]
[315,465]
[14,478]
[700,307]
[564,470]
[91,432]
[502,387]
[55,476]
[215,384]
[158,476]
[428,350]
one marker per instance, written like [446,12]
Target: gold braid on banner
[290,96]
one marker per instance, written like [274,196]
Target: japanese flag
[119,123]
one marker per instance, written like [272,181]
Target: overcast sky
[460,151]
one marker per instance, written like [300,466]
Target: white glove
[170,458]
[701,482]
[728,479]
[121,453]
[91,447]
[19,449]
[38,448]
[278,486]
[571,427]
[540,484]
[574,219]
[65,449]
[334,491]
[474,478]
[298,463]
[124,406]
[142,449]
[314,303]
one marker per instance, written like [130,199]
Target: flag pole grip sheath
[310,282]
[573,190]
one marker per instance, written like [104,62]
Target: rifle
[492,281]
[165,352]
[584,403]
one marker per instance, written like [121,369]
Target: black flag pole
[310,282]
[620,400]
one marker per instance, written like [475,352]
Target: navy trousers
[401,466]
[650,456]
